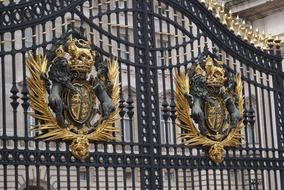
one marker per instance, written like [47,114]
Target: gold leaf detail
[191,135]
[48,127]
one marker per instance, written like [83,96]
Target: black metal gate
[151,38]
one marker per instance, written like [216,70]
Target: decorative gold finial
[270,41]
[224,19]
[238,26]
[277,42]
[243,30]
[217,9]
[223,15]
[222,8]
[215,4]
[210,5]
[250,35]
[263,40]
[231,21]
[265,43]
[257,39]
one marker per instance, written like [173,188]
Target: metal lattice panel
[152,40]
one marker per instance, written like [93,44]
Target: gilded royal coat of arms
[210,106]
[69,102]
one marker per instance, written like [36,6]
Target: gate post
[278,85]
[147,95]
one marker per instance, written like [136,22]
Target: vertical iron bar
[88,177]
[133,178]
[229,179]
[58,176]
[243,179]
[262,179]
[14,90]
[276,180]
[106,168]
[148,115]
[124,178]
[4,132]
[100,23]
[48,176]
[68,172]
[207,179]
[78,173]
[278,85]
[214,179]
[177,179]
[37,164]
[200,179]
[264,112]
[249,179]
[236,178]
[222,179]
[257,114]
[115,169]
[97,177]
[169,178]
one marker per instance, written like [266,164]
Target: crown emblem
[215,74]
[82,57]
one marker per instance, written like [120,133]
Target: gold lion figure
[78,53]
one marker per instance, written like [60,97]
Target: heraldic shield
[68,100]
[80,103]
[210,106]
[215,115]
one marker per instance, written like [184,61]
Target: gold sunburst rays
[239,92]
[37,66]
[182,84]
[38,102]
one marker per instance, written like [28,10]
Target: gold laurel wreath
[48,126]
[191,136]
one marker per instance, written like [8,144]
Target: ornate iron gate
[152,40]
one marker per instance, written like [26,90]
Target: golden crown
[215,74]
[81,66]
[215,82]
[82,58]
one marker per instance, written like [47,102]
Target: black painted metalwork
[152,39]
